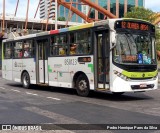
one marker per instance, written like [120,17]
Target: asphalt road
[46,105]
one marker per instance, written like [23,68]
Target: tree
[141,13]
[61,19]
[158,38]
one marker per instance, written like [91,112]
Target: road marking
[2,88]
[54,98]
[31,94]
[15,90]
[58,118]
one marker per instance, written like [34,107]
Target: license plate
[143,85]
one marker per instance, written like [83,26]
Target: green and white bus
[114,55]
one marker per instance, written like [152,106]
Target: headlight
[155,77]
[121,75]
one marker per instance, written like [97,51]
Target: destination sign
[129,58]
[133,25]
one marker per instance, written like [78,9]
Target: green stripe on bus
[140,74]
[91,67]
[81,26]
[49,69]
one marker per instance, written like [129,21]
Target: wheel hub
[25,80]
[82,85]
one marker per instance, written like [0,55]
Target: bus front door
[102,60]
[42,61]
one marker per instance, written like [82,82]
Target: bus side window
[18,52]
[62,50]
[72,37]
[73,43]
[8,50]
[83,42]
[28,48]
[54,46]
[73,49]
[58,46]
[62,44]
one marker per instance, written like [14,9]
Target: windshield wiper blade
[130,35]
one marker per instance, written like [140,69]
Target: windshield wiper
[130,35]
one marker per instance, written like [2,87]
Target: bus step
[102,89]
[42,84]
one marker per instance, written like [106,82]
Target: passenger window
[81,42]
[29,49]
[18,51]
[8,50]
[58,46]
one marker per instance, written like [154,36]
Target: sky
[22,8]
[154,5]
[21,12]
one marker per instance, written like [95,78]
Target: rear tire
[82,86]
[26,80]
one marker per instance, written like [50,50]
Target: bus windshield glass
[134,49]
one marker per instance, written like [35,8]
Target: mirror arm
[112,47]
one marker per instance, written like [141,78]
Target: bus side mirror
[113,46]
[113,42]
[113,38]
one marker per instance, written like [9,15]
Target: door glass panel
[100,65]
[103,57]
[42,61]
[40,51]
[45,49]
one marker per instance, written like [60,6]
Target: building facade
[117,7]
[64,12]
[45,7]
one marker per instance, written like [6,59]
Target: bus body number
[70,61]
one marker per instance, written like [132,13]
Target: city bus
[113,55]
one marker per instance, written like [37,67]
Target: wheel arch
[24,72]
[77,74]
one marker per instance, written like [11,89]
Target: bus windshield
[134,48]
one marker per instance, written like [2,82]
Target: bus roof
[72,28]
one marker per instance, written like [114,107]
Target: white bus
[114,55]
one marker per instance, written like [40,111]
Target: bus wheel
[25,80]
[82,86]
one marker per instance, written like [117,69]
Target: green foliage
[141,13]
[61,19]
[158,38]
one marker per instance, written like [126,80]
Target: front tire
[26,80]
[82,86]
